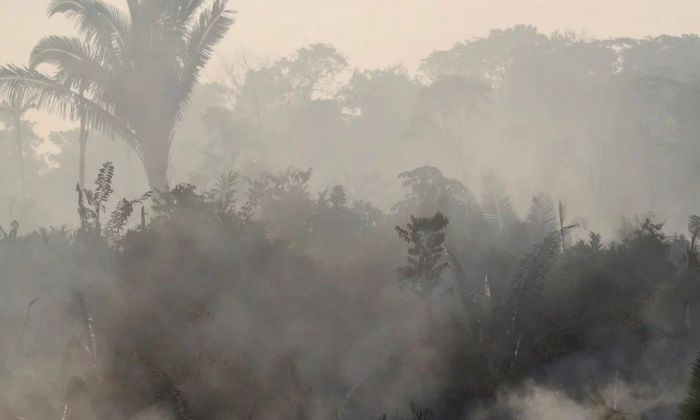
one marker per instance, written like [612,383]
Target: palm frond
[690,407]
[223,195]
[52,96]
[211,28]
[189,9]
[543,214]
[15,106]
[73,59]
[102,24]
[133,8]
[528,281]
[495,202]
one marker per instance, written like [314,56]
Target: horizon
[336,22]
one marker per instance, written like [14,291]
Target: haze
[384,32]
[349,210]
[273,28]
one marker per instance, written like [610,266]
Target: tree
[128,73]
[426,256]
[447,110]
[12,115]
[74,77]
[542,217]
[379,102]
[496,204]
[430,191]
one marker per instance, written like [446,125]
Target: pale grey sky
[377,33]
[382,32]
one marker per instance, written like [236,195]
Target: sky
[380,33]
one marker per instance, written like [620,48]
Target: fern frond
[46,93]
[528,281]
[209,30]
[543,214]
[690,407]
[102,25]
[120,217]
[496,204]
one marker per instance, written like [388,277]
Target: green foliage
[430,191]
[9,236]
[496,204]
[595,241]
[223,195]
[102,74]
[152,299]
[543,214]
[92,203]
[426,254]
[207,261]
[690,407]
[121,214]
[528,282]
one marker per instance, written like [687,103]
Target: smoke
[534,402]
[282,290]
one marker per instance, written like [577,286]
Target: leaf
[209,30]
[528,281]
[496,204]
[690,407]
[543,214]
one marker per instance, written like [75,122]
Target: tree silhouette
[426,256]
[128,73]
[12,115]
[56,50]
[496,204]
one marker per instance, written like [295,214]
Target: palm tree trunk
[154,134]
[20,156]
[155,156]
[83,148]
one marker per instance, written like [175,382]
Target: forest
[509,231]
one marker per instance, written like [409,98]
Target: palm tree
[12,114]
[73,76]
[129,73]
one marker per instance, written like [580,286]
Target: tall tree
[446,110]
[496,204]
[427,256]
[542,217]
[12,115]
[129,73]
